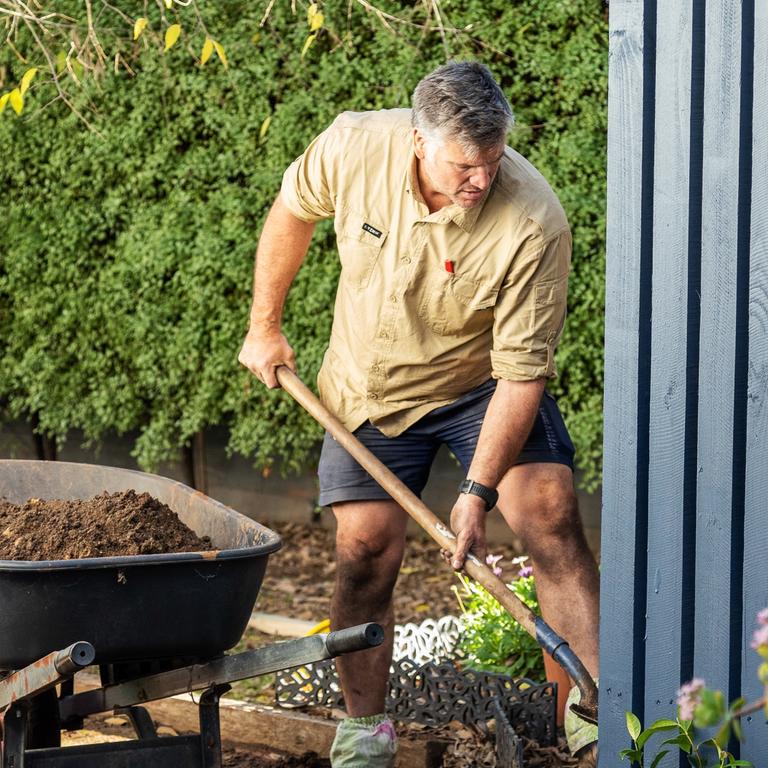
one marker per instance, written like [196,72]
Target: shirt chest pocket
[452,305]
[360,240]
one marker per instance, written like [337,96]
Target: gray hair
[461,101]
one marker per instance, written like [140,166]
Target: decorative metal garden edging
[434,692]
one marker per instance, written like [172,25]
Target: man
[455,256]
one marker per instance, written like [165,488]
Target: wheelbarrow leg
[210,727]
[15,734]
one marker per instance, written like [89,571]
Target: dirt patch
[107,525]
[300,576]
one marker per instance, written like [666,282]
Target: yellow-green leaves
[315,18]
[17,100]
[207,50]
[307,43]
[26,79]
[264,128]
[209,46]
[220,53]
[171,36]
[139,26]
[3,101]
[169,4]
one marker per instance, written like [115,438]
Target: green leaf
[657,727]
[171,36]
[658,758]
[633,725]
[139,26]
[207,50]
[679,741]
[17,100]
[634,755]
[27,79]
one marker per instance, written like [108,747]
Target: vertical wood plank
[625,134]
[668,378]
[717,340]
[755,585]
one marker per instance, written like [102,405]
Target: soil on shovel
[107,525]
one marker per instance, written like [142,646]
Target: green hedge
[126,256]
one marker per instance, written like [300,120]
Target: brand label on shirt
[368,228]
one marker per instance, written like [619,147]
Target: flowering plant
[492,641]
[700,708]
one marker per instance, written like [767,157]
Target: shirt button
[383,335]
[373,396]
[406,259]
[393,298]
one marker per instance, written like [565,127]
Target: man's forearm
[506,426]
[282,247]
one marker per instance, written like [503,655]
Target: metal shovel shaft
[544,635]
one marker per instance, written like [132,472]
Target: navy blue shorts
[410,454]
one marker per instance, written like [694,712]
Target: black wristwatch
[489,495]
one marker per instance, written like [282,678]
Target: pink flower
[525,571]
[762,617]
[492,560]
[760,637]
[688,698]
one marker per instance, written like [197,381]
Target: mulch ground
[300,576]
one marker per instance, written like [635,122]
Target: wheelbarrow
[158,625]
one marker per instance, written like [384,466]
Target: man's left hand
[468,523]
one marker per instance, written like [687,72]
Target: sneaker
[364,742]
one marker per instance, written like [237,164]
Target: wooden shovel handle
[405,497]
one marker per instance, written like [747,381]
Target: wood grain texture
[718,337]
[755,585]
[668,379]
[625,111]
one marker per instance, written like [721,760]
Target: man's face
[448,175]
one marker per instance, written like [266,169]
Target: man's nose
[480,178]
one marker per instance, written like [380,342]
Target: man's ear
[418,143]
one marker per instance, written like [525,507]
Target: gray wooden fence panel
[668,383]
[622,311]
[720,200]
[686,399]
[756,492]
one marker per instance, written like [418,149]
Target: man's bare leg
[538,502]
[370,540]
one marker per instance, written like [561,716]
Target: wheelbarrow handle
[547,638]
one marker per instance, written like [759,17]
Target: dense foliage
[126,252]
[491,640]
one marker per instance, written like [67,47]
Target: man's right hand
[262,352]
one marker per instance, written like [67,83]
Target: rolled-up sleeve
[310,181]
[530,311]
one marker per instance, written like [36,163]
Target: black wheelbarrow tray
[183,605]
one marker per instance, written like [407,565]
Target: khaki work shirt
[428,306]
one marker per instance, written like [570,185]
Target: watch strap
[489,495]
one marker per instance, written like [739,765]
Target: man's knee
[368,567]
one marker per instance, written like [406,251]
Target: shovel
[544,635]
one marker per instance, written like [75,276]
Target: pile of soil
[107,525]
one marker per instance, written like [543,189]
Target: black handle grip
[356,638]
[75,657]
